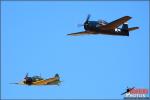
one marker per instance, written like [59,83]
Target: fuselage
[37,80]
[95,26]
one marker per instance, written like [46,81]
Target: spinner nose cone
[86,24]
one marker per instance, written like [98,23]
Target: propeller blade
[26,76]
[88,17]
[79,25]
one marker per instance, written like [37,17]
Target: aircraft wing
[116,23]
[20,83]
[81,33]
[123,93]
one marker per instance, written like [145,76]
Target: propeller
[28,80]
[26,76]
[87,19]
[79,25]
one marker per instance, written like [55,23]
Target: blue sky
[34,40]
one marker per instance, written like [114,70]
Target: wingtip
[69,34]
[72,34]
[129,17]
[13,83]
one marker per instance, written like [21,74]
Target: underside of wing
[81,33]
[116,23]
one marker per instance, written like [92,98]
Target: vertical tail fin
[125,28]
[57,76]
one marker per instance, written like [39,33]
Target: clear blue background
[34,40]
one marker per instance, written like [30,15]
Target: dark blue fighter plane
[103,27]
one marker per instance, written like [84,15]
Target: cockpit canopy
[102,22]
[36,78]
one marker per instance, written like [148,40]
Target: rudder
[125,28]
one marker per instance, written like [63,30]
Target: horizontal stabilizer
[133,28]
